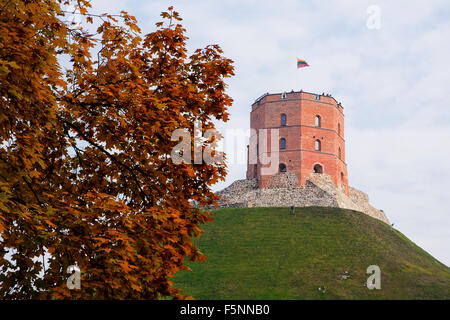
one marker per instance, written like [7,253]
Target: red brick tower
[311,136]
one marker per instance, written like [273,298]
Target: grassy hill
[266,253]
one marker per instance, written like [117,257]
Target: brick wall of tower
[300,133]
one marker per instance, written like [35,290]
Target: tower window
[318,168]
[318,121]
[282,167]
[318,146]
[339,152]
[342,178]
[282,143]
[283,119]
[339,129]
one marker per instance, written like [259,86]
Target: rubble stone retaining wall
[281,191]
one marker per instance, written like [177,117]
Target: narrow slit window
[318,146]
[282,143]
[318,121]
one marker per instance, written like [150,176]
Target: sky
[387,62]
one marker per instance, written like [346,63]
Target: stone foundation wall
[283,180]
[319,190]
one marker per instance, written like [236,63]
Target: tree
[86,176]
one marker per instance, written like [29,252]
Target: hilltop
[282,189]
[266,253]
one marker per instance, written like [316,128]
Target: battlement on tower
[297,95]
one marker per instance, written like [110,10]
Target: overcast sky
[393,82]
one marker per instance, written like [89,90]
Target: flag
[301,63]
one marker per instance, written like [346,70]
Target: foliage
[85,169]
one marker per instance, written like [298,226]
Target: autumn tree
[86,176]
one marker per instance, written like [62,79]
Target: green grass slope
[266,253]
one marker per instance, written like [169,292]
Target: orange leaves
[135,287]
[201,257]
[100,240]
[87,174]
[51,224]
[83,10]
[190,171]
[126,268]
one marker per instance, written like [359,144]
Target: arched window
[318,145]
[318,168]
[342,178]
[318,121]
[339,129]
[282,143]
[339,152]
[283,119]
[282,167]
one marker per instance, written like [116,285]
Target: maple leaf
[87,176]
